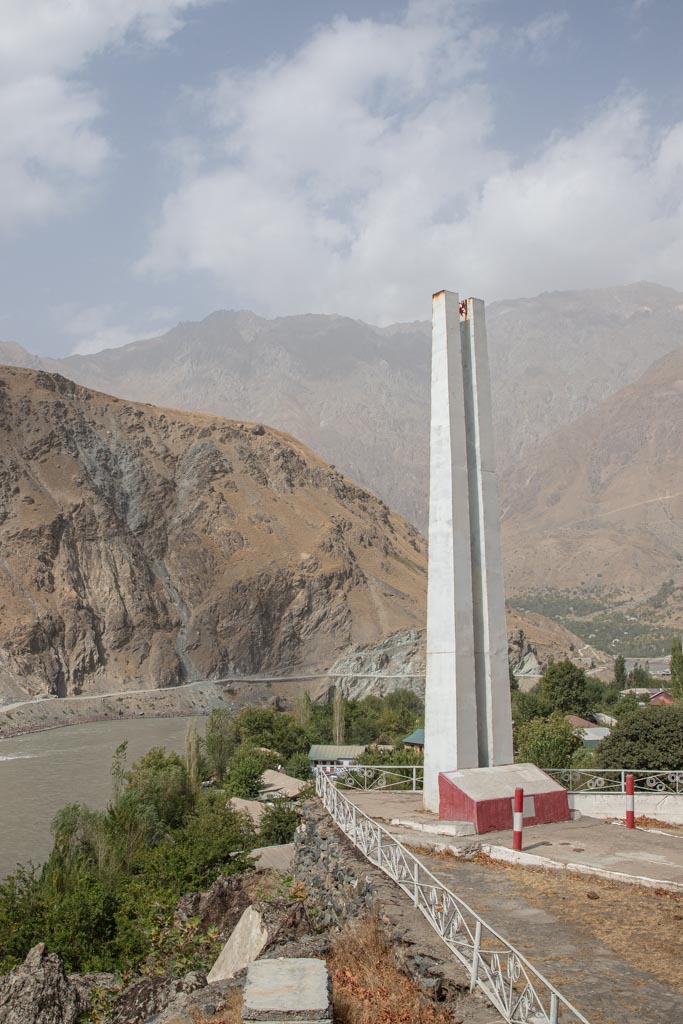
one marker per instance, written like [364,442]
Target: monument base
[485,796]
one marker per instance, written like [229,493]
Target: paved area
[600,982]
[588,842]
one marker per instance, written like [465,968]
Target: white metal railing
[613,780]
[576,780]
[381,776]
[517,990]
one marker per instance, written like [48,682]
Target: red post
[630,802]
[518,819]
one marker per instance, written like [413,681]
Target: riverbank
[191,700]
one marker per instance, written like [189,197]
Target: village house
[329,757]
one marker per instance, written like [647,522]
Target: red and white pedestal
[485,796]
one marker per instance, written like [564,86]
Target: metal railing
[517,990]
[381,776]
[613,780]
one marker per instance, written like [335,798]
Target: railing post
[414,780]
[379,846]
[630,802]
[416,887]
[474,971]
[353,821]
[518,819]
[554,1008]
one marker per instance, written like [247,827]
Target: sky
[161,159]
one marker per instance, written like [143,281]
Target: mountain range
[582,426]
[142,547]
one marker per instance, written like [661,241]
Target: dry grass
[643,926]
[369,988]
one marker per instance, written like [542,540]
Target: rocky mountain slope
[359,395]
[597,508]
[141,547]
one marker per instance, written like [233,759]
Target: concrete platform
[586,846]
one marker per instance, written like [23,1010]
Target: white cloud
[544,28]
[93,328]
[50,148]
[359,174]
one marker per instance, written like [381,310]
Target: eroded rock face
[39,992]
[149,996]
[143,547]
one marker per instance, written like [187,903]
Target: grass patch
[369,988]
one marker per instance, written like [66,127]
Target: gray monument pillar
[468,721]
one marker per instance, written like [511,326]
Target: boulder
[150,996]
[39,992]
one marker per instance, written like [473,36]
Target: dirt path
[612,950]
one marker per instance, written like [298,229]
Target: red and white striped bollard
[518,819]
[630,802]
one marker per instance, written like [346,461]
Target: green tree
[160,780]
[620,678]
[219,742]
[639,677]
[565,688]
[649,738]
[278,824]
[676,669]
[192,757]
[303,710]
[548,743]
[338,714]
[246,771]
[299,766]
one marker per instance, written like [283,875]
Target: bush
[548,743]
[645,739]
[278,824]
[298,766]
[246,771]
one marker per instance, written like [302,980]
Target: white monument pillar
[468,722]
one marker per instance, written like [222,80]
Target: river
[41,772]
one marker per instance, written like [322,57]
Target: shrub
[278,824]
[548,743]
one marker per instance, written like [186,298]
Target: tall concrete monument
[468,719]
[469,769]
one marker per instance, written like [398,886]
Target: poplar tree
[676,668]
[338,716]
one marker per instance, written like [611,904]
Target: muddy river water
[41,772]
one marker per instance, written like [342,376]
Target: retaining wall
[663,806]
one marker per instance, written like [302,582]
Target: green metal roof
[330,752]
[417,738]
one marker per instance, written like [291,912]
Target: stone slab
[288,989]
[247,941]
[485,796]
[274,858]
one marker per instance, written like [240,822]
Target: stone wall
[337,878]
[341,885]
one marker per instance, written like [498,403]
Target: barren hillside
[595,512]
[141,547]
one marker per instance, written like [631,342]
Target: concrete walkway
[599,982]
